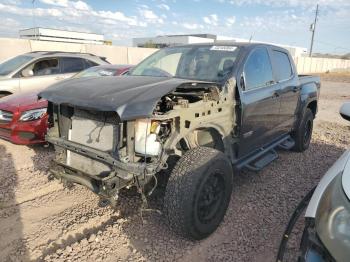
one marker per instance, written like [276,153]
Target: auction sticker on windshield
[105,73]
[223,48]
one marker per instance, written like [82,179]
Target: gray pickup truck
[186,118]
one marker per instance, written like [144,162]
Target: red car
[23,118]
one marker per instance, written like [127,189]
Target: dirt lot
[336,76]
[39,220]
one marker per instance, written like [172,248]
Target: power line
[312,29]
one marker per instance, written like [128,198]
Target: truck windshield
[13,64]
[205,63]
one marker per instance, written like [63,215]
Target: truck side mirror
[27,72]
[345,111]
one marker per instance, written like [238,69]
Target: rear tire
[302,135]
[198,192]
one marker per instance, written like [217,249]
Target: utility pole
[312,29]
[34,24]
[250,39]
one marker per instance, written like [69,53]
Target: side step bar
[287,144]
[264,155]
[263,161]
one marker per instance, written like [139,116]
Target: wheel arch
[199,135]
[312,105]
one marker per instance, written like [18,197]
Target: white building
[47,34]
[174,40]
[169,40]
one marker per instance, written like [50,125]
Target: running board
[288,144]
[263,161]
[264,155]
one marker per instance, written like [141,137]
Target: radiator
[95,134]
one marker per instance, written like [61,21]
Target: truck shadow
[42,157]
[12,244]
[260,207]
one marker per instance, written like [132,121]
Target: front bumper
[122,174]
[24,133]
[311,247]
[106,186]
[125,169]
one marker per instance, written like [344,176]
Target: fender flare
[308,95]
[216,128]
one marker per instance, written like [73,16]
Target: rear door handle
[295,89]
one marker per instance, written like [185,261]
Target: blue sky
[278,21]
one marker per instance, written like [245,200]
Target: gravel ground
[40,220]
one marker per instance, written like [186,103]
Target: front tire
[198,192]
[302,135]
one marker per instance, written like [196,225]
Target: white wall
[306,65]
[10,47]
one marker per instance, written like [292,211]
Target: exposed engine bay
[187,94]
[99,150]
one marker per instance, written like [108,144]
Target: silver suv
[37,70]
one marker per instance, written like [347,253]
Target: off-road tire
[198,171]
[302,135]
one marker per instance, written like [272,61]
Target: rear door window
[283,69]
[258,69]
[89,63]
[72,64]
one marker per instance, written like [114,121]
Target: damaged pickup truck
[192,114]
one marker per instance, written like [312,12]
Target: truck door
[260,102]
[287,79]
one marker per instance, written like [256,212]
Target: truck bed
[305,79]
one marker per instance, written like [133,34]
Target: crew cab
[187,118]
